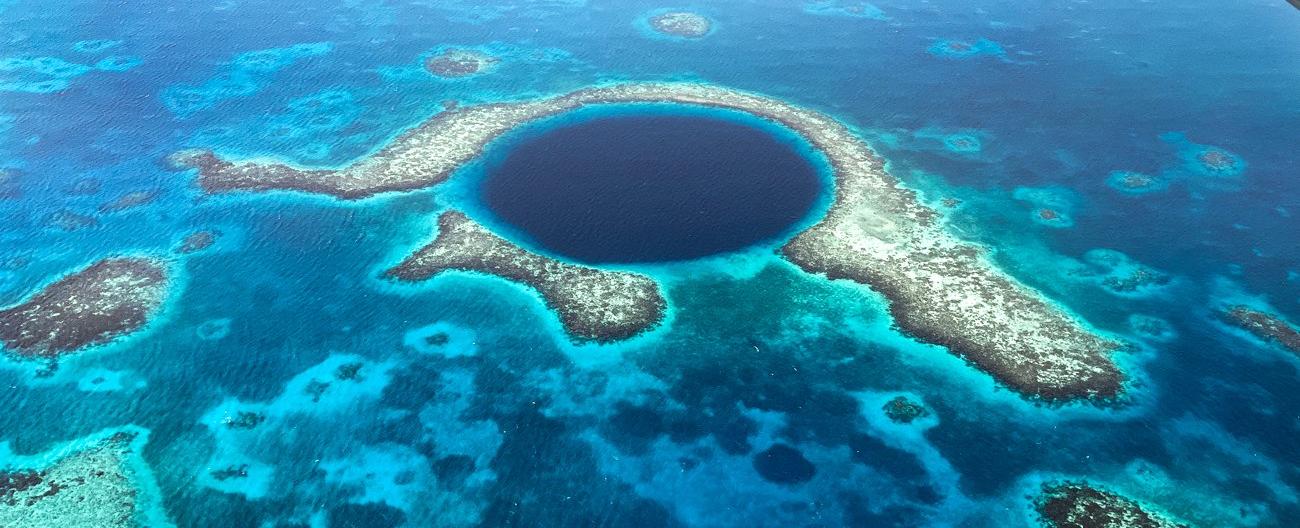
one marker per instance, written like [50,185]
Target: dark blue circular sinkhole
[651,183]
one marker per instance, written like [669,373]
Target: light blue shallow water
[510,424]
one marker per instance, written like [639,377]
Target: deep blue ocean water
[647,187]
[509,423]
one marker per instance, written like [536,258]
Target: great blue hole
[651,183]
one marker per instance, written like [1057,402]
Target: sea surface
[1005,107]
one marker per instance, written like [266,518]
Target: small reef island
[1079,505]
[110,298]
[593,304]
[940,289]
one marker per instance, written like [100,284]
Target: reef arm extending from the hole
[91,306]
[940,289]
[592,304]
[421,157]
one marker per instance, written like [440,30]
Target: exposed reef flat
[95,485]
[1265,326]
[1078,505]
[593,304]
[91,306]
[941,289]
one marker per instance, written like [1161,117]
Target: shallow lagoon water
[522,426]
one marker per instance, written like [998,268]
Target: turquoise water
[1007,108]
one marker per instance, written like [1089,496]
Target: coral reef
[198,241]
[941,289]
[901,409]
[682,24]
[593,304]
[455,63]
[1079,505]
[130,200]
[92,484]
[91,306]
[1265,326]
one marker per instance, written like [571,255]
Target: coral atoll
[941,289]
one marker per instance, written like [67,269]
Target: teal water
[1011,109]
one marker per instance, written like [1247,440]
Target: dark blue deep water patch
[651,185]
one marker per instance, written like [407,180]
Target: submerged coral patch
[902,409]
[130,200]
[848,8]
[94,305]
[443,339]
[43,75]
[118,63]
[1206,161]
[1050,206]
[50,66]
[1152,328]
[452,63]
[961,49]
[10,184]
[245,75]
[95,45]
[681,24]
[198,241]
[962,143]
[70,220]
[1136,183]
[1119,274]
[105,380]
[213,329]
[39,75]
